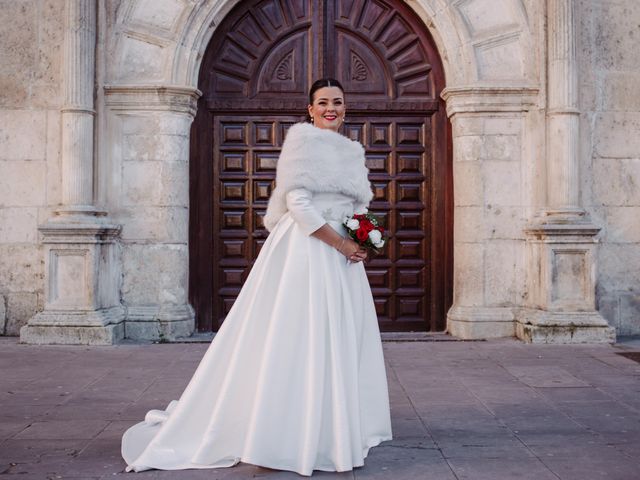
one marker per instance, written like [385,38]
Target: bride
[295,377]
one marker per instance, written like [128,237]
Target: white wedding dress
[295,377]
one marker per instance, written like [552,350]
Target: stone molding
[79,232]
[159,322]
[540,326]
[574,232]
[471,322]
[173,98]
[486,99]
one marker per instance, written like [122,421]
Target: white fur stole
[319,160]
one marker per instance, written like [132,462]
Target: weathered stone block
[502,262]
[481,20]
[18,225]
[469,224]
[21,268]
[154,274]
[503,184]
[622,225]
[621,91]
[500,60]
[18,37]
[619,266]
[3,315]
[480,322]
[501,147]
[502,126]
[467,125]
[47,82]
[173,148]
[174,183]
[14,85]
[629,320]
[140,60]
[468,148]
[22,183]
[609,308]
[162,224]
[611,135]
[468,259]
[164,17]
[616,182]
[72,335]
[616,29]
[159,330]
[504,223]
[53,159]
[141,183]
[468,185]
[21,306]
[155,123]
[22,134]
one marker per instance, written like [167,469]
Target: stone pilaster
[487,123]
[153,123]
[561,250]
[81,277]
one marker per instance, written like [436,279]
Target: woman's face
[327,110]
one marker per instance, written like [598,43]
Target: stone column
[563,116]
[561,250]
[78,112]
[81,284]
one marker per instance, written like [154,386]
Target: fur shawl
[319,160]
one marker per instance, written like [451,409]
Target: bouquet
[366,230]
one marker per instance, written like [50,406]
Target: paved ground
[461,410]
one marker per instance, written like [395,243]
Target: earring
[311,119]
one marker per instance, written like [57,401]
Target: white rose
[380,244]
[375,236]
[353,224]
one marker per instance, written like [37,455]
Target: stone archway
[254,79]
[490,68]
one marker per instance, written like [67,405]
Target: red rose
[367,225]
[381,229]
[362,234]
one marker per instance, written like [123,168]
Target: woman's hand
[353,251]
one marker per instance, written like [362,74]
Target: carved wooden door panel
[254,78]
[244,165]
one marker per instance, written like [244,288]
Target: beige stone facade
[96,103]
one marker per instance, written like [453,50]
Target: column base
[539,326]
[471,323]
[98,327]
[159,324]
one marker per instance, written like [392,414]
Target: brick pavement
[490,410]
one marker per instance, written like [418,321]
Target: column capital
[486,99]
[174,98]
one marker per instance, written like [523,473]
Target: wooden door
[255,76]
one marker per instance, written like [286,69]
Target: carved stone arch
[464,39]
[254,81]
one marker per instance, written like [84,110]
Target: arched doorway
[254,77]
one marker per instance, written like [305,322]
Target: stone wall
[142,148]
[31,37]
[610,102]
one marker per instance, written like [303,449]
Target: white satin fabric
[295,377]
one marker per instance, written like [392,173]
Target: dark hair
[321,83]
